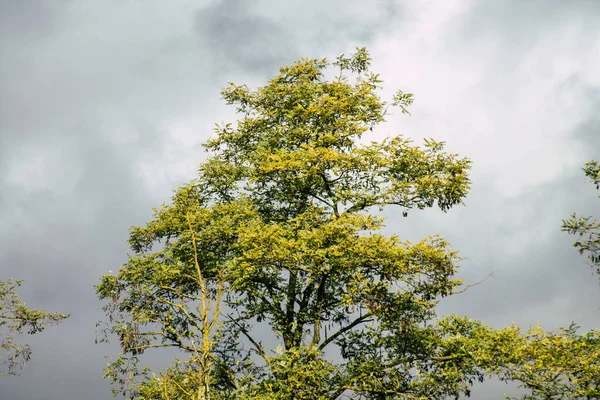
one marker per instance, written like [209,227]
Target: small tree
[281,220]
[16,317]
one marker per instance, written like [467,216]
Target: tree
[281,220]
[586,228]
[16,317]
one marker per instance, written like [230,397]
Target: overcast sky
[104,104]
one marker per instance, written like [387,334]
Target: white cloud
[515,123]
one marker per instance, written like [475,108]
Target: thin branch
[259,347]
[357,321]
[491,274]
[328,204]
[179,293]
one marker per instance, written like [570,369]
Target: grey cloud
[259,37]
[85,90]
[67,99]
[239,37]
[510,30]
[27,19]
[588,132]
[519,21]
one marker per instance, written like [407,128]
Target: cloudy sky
[104,104]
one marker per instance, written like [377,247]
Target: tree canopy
[271,274]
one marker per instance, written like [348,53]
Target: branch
[306,294]
[330,194]
[289,312]
[319,309]
[491,274]
[259,347]
[359,206]
[323,201]
[183,310]
[345,329]
[179,293]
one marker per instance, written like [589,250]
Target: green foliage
[585,228]
[280,220]
[560,365]
[16,317]
[550,365]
